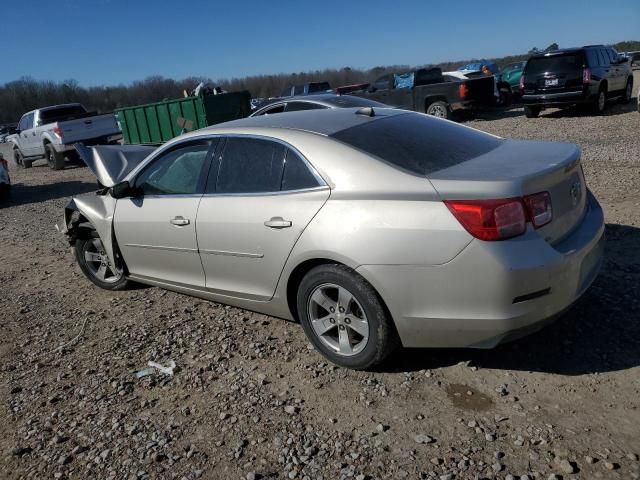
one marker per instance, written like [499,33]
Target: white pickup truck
[51,132]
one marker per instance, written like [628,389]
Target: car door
[27,134]
[156,230]
[261,197]
[614,83]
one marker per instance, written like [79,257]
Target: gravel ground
[250,399]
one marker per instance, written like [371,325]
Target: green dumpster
[162,121]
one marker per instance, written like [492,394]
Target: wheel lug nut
[341,309]
[332,309]
[341,327]
[347,320]
[332,320]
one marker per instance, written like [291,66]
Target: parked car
[311,88]
[5,131]
[315,102]
[634,59]
[51,132]
[511,74]
[428,91]
[5,180]
[372,227]
[589,75]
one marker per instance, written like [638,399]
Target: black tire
[54,159]
[505,98]
[531,112]
[382,336]
[599,105]
[118,281]
[439,109]
[19,159]
[628,89]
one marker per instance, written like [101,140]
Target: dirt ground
[251,399]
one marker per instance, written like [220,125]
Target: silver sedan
[371,227]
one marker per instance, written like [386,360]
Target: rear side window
[299,106]
[592,57]
[555,64]
[297,175]
[250,165]
[418,143]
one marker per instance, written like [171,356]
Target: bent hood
[112,163]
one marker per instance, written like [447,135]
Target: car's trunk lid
[111,164]
[518,168]
[554,73]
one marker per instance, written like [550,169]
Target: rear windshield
[346,101]
[61,114]
[417,143]
[555,64]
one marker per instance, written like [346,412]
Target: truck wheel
[600,101]
[626,97]
[439,109]
[19,159]
[506,97]
[531,112]
[54,159]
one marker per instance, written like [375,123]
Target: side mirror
[124,190]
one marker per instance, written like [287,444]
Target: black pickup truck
[429,91]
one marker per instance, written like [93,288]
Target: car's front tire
[345,318]
[95,264]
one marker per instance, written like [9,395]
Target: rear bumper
[557,99]
[102,140]
[491,292]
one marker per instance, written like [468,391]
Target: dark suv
[577,76]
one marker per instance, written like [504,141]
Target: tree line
[20,96]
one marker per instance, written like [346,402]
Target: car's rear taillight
[501,219]
[463,90]
[586,75]
[539,208]
[521,83]
[58,131]
[490,219]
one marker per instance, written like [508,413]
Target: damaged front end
[89,215]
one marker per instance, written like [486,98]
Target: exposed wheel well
[429,100]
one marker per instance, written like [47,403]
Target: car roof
[566,50]
[323,122]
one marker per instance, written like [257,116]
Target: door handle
[179,221]
[277,222]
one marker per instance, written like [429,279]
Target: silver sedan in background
[372,227]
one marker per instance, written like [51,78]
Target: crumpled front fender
[95,208]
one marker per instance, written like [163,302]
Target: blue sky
[106,42]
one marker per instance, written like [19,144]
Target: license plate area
[550,82]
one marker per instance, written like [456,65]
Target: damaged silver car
[372,227]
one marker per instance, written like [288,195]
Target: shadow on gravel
[599,334]
[613,108]
[25,194]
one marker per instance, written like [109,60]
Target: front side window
[28,121]
[22,125]
[250,165]
[179,171]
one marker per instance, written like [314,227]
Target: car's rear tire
[628,91]
[345,318]
[54,159]
[439,109]
[600,102]
[95,264]
[531,112]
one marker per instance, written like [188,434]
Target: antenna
[367,111]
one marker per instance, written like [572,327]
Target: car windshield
[568,62]
[61,114]
[418,143]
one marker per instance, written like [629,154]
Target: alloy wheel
[338,319]
[437,111]
[98,262]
